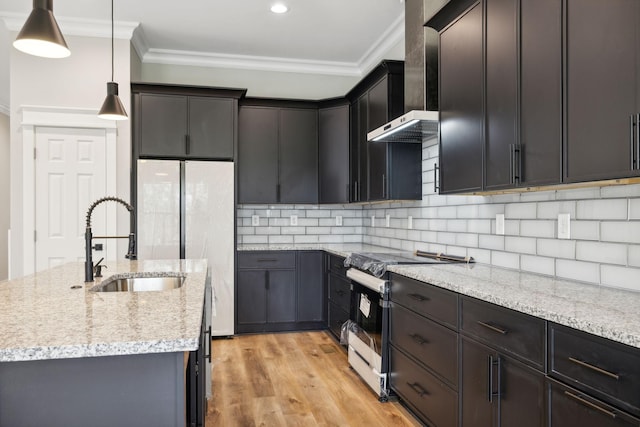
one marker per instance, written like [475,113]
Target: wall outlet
[339,220]
[410,223]
[294,219]
[373,221]
[500,224]
[388,220]
[564,226]
[255,220]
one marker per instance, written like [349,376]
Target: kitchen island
[70,356]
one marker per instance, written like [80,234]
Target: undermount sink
[139,284]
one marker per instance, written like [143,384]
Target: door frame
[34,117]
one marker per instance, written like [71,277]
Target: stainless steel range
[369,320]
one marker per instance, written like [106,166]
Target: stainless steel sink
[139,284]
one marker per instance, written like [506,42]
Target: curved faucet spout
[88,237]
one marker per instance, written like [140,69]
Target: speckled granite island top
[606,312]
[42,317]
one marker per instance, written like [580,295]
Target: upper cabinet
[522,107]
[172,122]
[277,152]
[381,171]
[603,89]
[333,151]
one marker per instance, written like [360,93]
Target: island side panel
[130,390]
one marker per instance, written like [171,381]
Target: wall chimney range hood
[415,126]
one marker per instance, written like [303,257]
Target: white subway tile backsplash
[634,209]
[634,255]
[446,238]
[619,277]
[557,248]
[585,230]
[578,270]
[269,230]
[457,225]
[537,264]
[537,196]
[479,226]
[293,230]
[602,209]
[550,210]
[482,256]
[578,194]
[606,253]
[258,240]
[468,240]
[490,211]
[505,260]
[280,240]
[540,228]
[522,245]
[305,239]
[617,231]
[488,241]
[520,211]
[621,191]
[511,227]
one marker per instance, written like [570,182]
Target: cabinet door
[257,155]
[603,47]
[461,104]
[362,183]
[163,125]
[354,151]
[501,92]
[333,152]
[298,134]
[477,407]
[521,394]
[378,105]
[251,295]
[540,92]
[281,296]
[311,292]
[211,128]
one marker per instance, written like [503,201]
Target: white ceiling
[325,36]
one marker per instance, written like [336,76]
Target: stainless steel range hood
[415,126]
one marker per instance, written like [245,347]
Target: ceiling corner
[382,46]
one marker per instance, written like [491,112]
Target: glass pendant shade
[40,35]
[112,108]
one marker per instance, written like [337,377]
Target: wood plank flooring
[292,379]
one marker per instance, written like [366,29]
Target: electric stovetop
[376,262]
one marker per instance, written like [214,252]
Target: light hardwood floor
[292,379]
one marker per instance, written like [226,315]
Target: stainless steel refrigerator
[185,209]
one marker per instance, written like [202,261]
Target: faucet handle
[97,269]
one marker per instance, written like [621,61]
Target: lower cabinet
[497,390]
[279,291]
[338,292]
[198,366]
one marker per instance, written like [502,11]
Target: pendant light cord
[112,48]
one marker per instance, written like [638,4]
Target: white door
[70,173]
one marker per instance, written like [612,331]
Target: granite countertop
[42,317]
[606,312]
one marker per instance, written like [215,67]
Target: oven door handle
[367,280]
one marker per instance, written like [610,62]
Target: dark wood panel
[340,291]
[211,128]
[266,259]
[251,297]
[333,154]
[310,289]
[337,317]
[281,296]
[163,125]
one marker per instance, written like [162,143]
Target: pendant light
[40,35]
[112,108]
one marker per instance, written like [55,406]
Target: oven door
[366,312]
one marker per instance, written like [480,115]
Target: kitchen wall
[605,229]
[4,195]
[5,45]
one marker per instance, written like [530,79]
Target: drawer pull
[340,292]
[267,260]
[595,368]
[417,338]
[418,389]
[493,328]
[419,297]
[589,404]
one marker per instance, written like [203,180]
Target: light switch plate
[410,222]
[339,220]
[564,226]
[500,224]
[294,219]
[388,220]
[255,220]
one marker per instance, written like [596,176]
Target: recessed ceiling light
[279,8]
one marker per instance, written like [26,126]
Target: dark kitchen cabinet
[498,390]
[333,152]
[277,154]
[173,122]
[280,291]
[602,89]
[196,378]
[382,171]
[339,293]
[311,290]
[462,103]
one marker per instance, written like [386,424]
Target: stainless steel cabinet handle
[436,187]
[493,362]
[493,328]
[417,338]
[266,260]
[589,404]
[418,297]
[595,368]
[418,389]
[514,163]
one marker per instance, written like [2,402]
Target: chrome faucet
[88,237]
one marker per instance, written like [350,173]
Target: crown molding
[78,26]
[376,53]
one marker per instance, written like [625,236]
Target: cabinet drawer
[336,265]
[504,329]
[606,369]
[425,299]
[570,407]
[427,341]
[337,317]
[267,259]
[435,403]
[340,291]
